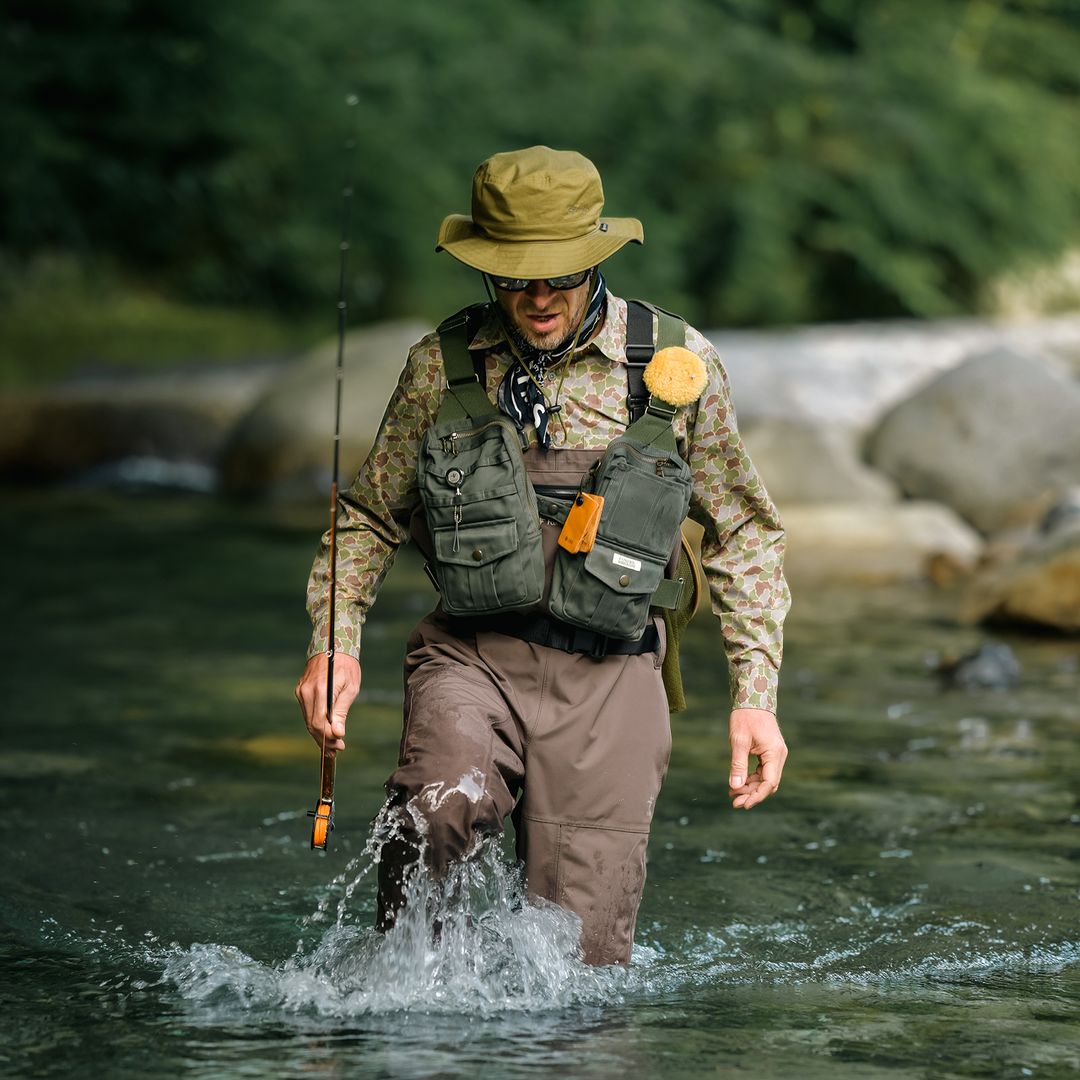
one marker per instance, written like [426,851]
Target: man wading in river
[551,529]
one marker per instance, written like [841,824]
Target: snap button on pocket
[478,554]
[624,580]
[454,477]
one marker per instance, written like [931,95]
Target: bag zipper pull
[457,517]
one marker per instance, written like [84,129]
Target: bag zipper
[452,438]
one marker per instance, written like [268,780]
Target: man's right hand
[311,693]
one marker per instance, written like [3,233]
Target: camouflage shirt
[743,545]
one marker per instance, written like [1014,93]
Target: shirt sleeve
[373,514]
[743,546]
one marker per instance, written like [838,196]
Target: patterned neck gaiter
[521,393]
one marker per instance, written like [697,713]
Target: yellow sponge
[676,375]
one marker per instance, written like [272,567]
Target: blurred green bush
[821,159]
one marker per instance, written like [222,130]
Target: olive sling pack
[479,502]
[687,578]
[645,485]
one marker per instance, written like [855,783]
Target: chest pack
[482,512]
[479,502]
[645,486]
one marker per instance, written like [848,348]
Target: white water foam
[470,943]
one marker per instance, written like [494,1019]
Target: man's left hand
[754,731]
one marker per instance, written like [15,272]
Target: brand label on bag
[626,561]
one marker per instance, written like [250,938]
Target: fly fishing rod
[323,814]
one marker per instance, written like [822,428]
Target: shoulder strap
[670,330]
[639,351]
[465,394]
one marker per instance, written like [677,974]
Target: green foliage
[58,320]
[790,161]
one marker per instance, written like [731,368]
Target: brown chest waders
[568,729]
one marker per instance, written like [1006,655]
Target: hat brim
[459,236]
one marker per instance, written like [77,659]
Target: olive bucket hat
[536,214]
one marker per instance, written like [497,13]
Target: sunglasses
[514,284]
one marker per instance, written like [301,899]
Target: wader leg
[459,769]
[598,744]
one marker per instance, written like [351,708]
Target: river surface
[908,905]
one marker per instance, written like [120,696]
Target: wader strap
[465,394]
[639,351]
[670,330]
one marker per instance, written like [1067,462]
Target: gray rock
[282,448]
[852,373]
[74,428]
[992,666]
[995,439]
[803,462]
[1063,515]
[874,543]
[149,475]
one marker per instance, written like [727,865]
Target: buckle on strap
[452,322]
[636,404]
[663,410]
[588,642]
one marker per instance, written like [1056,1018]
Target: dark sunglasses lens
[568,281]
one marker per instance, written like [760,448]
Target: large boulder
[84,426]
[804,462]
[852,373]
[1041,585]
[282,448]
[875,544]
[996,438]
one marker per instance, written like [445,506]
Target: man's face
[545,316]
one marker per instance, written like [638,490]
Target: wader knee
[446,825]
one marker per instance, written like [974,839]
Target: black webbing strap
[639,351]
[640,346]
[541,629]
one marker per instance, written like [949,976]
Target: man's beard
[554,338]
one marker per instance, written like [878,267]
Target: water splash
[472,943]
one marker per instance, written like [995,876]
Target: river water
[907,906]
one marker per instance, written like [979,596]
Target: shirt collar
[610,340]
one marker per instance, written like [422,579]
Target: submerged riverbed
[907,906]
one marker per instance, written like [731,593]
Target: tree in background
[791,161]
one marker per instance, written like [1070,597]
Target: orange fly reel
[322,826]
